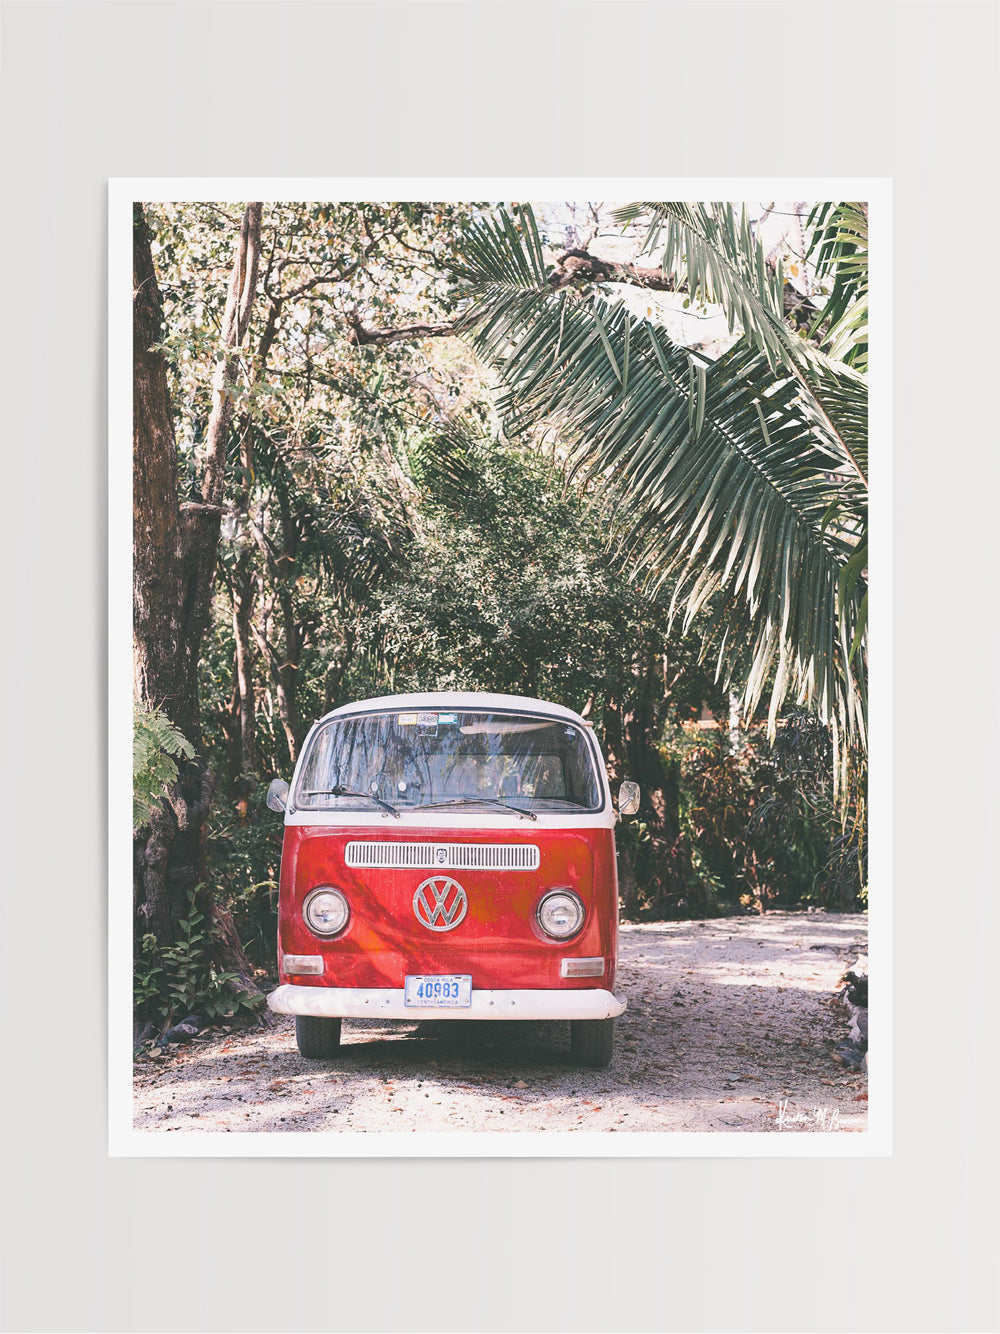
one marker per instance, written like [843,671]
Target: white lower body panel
[387,1003]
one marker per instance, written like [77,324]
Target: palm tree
[738,485]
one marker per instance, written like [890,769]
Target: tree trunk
[283,662]
[284,674]
[244,583]
[244,590]
[337,670]
[229,720]
[168,861]
[174,555]
[235,323]
[161,674]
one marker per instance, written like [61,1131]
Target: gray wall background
[93,90]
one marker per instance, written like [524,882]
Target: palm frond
[839,249]
[713,253]
[721,475]
[443,461]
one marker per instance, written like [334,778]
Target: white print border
[123,1139]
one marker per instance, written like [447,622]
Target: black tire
[593,1041]
[319,1039]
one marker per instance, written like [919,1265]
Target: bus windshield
[412,759]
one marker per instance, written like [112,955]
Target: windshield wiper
[519,811]
[339,791]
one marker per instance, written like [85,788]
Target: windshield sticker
[427,719]
[447,718]
[503,726]
[407,720]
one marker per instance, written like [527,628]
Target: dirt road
[729,1021]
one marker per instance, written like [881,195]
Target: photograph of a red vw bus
[449,855]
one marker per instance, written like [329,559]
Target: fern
[156,747]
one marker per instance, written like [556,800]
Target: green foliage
[510,583]
[244,851]
[156,747]
[393,261]
[760,825]
[171,981]
[655,876]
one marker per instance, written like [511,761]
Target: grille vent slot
[457,856]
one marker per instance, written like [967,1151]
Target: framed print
[490,639]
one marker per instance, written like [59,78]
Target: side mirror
[277,794]
[628,798]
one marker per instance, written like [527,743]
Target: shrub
[171,981]
[244,849]
[759,823]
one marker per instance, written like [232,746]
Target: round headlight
[560,914]
[325,911]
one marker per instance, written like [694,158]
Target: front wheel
[317,1038]
[592,1041]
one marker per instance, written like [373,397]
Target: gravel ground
[730,1026]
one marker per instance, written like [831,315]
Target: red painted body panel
[499,942]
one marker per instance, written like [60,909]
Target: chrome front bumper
[387,1003]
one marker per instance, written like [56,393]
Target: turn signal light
[302,964]
[581,968]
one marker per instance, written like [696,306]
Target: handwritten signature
[821,1118]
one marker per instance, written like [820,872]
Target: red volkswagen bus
[449,856]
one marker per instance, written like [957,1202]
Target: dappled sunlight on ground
[729,1020]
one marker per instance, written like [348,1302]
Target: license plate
[451,989]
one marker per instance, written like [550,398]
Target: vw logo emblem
[440,903]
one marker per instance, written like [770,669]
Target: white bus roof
[481,701]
